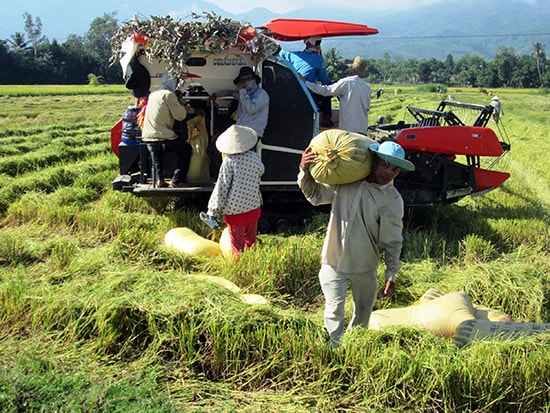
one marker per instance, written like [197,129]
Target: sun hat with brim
[246,71]
[393,153]
[236,139]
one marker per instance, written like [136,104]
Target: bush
[95,80]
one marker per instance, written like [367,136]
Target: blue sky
[283,6]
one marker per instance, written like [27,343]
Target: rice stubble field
[97,315]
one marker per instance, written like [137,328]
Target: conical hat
[237,139]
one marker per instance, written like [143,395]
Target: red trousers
[242,229]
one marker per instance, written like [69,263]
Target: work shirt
[237,189]
[497,107]
[309,64]
[163,107]
[253,109]
[365,219]
[354,95]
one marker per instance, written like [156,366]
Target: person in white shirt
[497,109]
[354,95]
[366,218]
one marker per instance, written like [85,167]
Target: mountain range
[461,27]
[456,27]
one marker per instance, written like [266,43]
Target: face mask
[249,84]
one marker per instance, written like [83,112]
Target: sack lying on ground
[441,315]
[343,157]
[253,299]
[224,282]
[453,315]
[186,240]
[480,312]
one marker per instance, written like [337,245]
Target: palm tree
[18,42]
[335,66]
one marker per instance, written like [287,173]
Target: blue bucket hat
[393,153]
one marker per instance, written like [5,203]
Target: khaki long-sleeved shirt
[163,107]
[365,218]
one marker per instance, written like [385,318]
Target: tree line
[505,70]
[30,58]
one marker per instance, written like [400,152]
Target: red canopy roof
[298,29]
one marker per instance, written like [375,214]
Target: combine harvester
[434,140]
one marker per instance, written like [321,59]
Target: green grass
[60,90]
[97,315]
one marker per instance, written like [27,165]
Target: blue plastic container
[131,133]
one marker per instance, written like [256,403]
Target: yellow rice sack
[248,298]
[254,299]
[189,242]
[224,282]
[481,312]
[343,157]
[440,316]
[225,243]
[198,171]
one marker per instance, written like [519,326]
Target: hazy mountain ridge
[458,27]
[454,27]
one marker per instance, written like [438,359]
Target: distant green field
[53,90]
[96,314]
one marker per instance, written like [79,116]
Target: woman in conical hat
[236,195]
